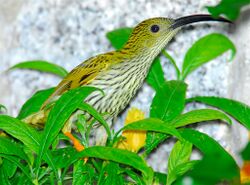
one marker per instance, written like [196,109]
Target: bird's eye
[155,28]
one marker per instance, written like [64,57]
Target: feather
[82,75]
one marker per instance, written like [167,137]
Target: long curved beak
[196,18]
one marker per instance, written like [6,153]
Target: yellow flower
[133,139]
[245,172]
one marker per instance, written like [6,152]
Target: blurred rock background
[67,32]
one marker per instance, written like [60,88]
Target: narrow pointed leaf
[135,177]
[110,174]
[169,101]
[160,130]
[201,115]
[236,109]
[25,133]
[204,50]
[97,116]
[4,179]
[17,162]
[167,104]
[9,167]
[119,156]
[182,169]
[58,116]
[83,174]
[152,124]
[217,165]
[42,66]
[34,103]
[179,155]
[9,147]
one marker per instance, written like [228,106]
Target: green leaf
[238,110]
[34,103]
[42,66]
[110,175]
[97,116]
[183,168]
[169,101]
[25,133]
[229,8]
[9,147]
[119,37]
[9,168]
[179,155]
[117,155]
[153,124]
[155,76]
[160,178]
[83,173]
[17,162]
[245,153]
[201,115]
[21,179]
[204,50]
[62,156]
[58,116]
[21,131]
[153,139]
[120,156]
[4,179]
[217,165]
[135,177]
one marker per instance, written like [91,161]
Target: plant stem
[178,73]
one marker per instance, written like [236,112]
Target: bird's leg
[67,132]
[76,143]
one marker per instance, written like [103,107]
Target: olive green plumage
[121,73]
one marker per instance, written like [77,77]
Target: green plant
[230,8]
[30,156]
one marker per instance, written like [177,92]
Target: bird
[121,73]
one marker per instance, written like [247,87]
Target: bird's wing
[83,74]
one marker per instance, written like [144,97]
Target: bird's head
[152,35]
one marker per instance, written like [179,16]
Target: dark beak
[196,18]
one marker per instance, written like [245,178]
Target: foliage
[34,156]
[42,66]
[230,8]
[215,43]
[34,103]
